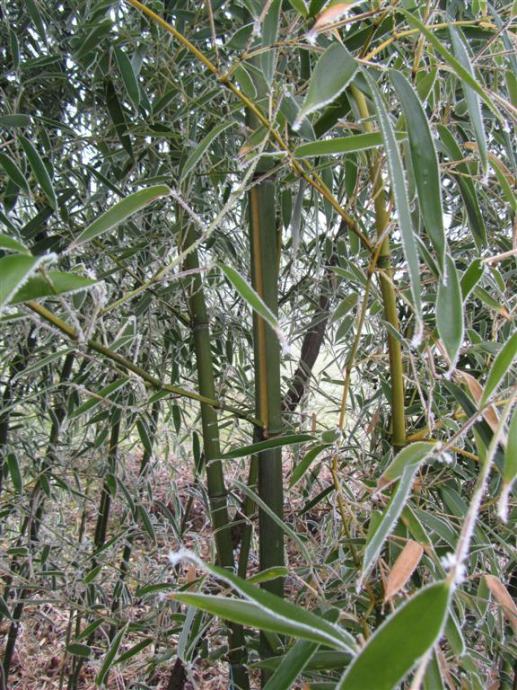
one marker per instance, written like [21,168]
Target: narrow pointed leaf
[39,170]
[466,186]
[285,609]
[349,144]
[471,96]
[451,60]
[269,36]
[395,648]
[15,270]
[96,400]
[110,656]
[302,467]
[9,244]
[276,442]
[398,183]
[128,76]
[333,72]
[388,520]
[471,277]
[403,568]
[203,145]
[52,283]
[425,164]
[14,172]
[413,454]
[121,211]
[499,368]
[253,615]
[249,295]
[449,312]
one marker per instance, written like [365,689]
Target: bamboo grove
[257,293]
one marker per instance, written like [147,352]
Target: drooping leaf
[128,76]
[396,646]
[275,442]
[249,295]
[335,635]
[104,393]
[333,72]
[471,277]
[39,170]
[203,145]
[425,164]
[302,467]
[510,466]
[14,172]
[15,270]
[466,186]
[388,520]
[269,36]
[398,183]
[9,244]
[52,283]
[449,312]
[110,656]
[121,211]
[471,96]
[337,145]
[499,368]
[411,455]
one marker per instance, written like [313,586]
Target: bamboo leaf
[39,170]
[128,76]
[80,650]
[203,145]
[9,244]
[15,120]
[463,73]
[299,6]
[121,211]
[338,145]
[471,96]
[398,183]
[499,368]
[509,468]
[15,270]
[269,36]
[471,277]
[449,312]
[403,568]
[249,295]
[110,656]
[96,399]
[276,442]
[295,661]
[284,610]
[466,186]
[118,117]
[333,72]
[51,283]
[388,520]
[14,172]
[411,455]
[302,467]
[396,646]
[253,615]
[15,473]
[503,598]
[345,306]
[133,651]
[425,164]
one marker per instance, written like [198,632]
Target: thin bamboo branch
[125,363]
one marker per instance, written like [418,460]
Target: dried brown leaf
[332,14]
[503,598]
[403,568]
[476,391]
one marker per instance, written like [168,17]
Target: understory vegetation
[257,290]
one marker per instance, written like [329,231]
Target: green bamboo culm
[389,298]
[268,402]
[214,470]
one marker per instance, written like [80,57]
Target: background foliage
[226,223]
